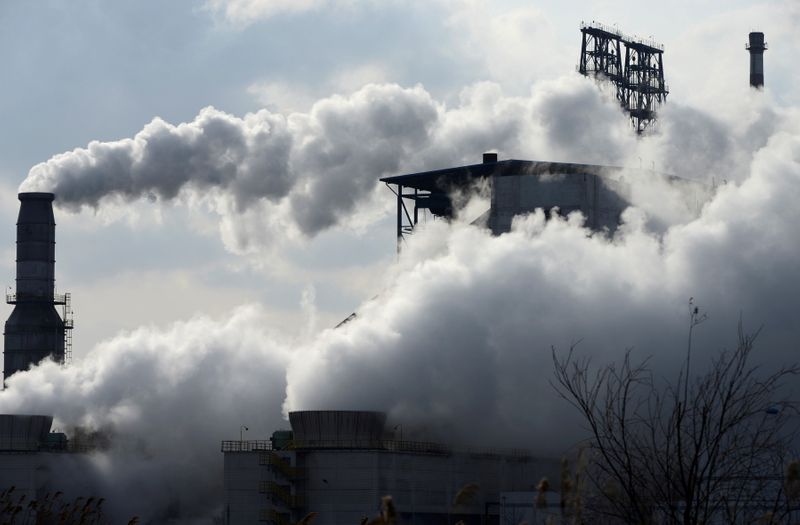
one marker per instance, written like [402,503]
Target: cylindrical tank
[756,46]
[34,330]
[23,432]
[337,428]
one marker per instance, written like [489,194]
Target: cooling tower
[34,330]
[331,427]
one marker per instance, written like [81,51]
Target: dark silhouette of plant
[691,451]
[52,509]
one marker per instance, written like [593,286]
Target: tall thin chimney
[756,46]
[34,330]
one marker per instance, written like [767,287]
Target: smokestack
[34,330]
[756,46]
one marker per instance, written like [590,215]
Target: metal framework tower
[640,85]
[601,55]
[644,82]
[34,330]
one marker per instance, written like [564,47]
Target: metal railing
[602,27]
[649,42]
[417,447]
[13,298]
[246,446]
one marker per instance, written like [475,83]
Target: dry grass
[52,509]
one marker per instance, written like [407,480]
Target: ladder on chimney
[68,324]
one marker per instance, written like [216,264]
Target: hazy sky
[91,70]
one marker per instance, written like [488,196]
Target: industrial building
[519,187]
[340,463]
[516,187]
[35,331]
[36,461]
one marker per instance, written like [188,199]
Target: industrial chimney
[756,46]
[34,330]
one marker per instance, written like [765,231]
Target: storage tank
[346,428]
[23,433]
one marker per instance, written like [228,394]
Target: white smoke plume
[164,399]
[463,333]
[458,342]
[300,173]
[272,177]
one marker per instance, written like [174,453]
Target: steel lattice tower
[601,55]
[640,85]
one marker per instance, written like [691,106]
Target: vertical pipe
[416,213]
[582,63]
[399,216]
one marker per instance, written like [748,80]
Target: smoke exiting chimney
[756,46]
[34,330]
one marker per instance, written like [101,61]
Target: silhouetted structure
[519,187]
[515,187]
[34,330]
[338,463]
[601,55]
[639,80]
[756,47]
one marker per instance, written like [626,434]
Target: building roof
[448,178]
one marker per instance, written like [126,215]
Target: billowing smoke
[463,332]
[458,342]
[270,176]
[300,173]
[163,400]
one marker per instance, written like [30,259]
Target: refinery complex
[339,463]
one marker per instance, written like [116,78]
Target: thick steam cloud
[270,175]
[464,332]
[302,172]
[162,401]
[457,345]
